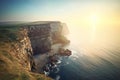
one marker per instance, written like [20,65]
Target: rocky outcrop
[64,52]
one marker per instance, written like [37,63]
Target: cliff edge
[18,44]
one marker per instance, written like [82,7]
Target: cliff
[19,43]
[44,34]
[16,56]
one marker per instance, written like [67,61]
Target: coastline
[42,60]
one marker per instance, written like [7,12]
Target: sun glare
[94,21]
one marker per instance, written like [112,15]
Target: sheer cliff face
[21,49]
[43,36]
[40,37]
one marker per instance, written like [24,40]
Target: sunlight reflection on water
[93,61]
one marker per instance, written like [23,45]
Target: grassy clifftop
[10,68]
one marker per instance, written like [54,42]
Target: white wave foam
[67,62]
[74,57]
[46,73]
[57,70]
[57,77]
[59,61]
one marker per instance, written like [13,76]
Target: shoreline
[42,60]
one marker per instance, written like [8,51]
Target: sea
[89,61]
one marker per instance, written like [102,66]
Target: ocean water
[80,66]
[99,61]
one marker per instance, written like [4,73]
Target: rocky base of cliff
[50,58]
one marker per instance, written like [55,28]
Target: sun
[93,21]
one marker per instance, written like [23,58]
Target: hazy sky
[91,19]
[66,10]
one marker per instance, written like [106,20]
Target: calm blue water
[89,63]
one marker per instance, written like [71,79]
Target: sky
[88,18]
[66,10]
